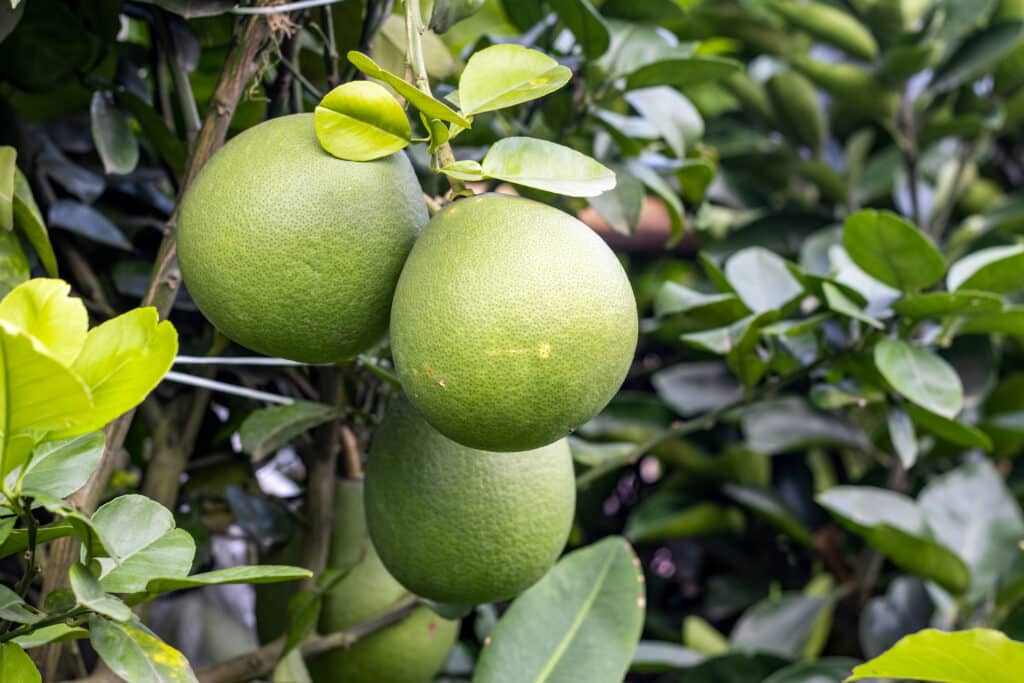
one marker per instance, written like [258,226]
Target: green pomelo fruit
[462,526]
[512,324]
[292,252]
[411,651]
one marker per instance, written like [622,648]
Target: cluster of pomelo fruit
[511,323]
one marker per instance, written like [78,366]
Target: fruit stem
[414,30]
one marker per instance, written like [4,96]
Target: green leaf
[593,454]
[959,657]
[780,626]
[971,510]
[996,269]
[122,361]
[585,23]
[446,13]
[901,433]
[15,665]
[505,75]
[266,573]
[953,431]
[581,621]
[824,670]
[268,429]
[147,548]
[61,467]
[8,156]
[702,637]
[430,106]
[894,526]
[58,633]
[842,304]
[830,25]
[683,72]
[714,309]
[89,593]
[659,186]
[657,657]
[1008,321]
[940,304]
[361,121]
[891,250]
[671,113]
[29,222]
[43,309]
[761,279]
[620,207]
[976,55]
[696,388]
[18,540]
[135,654]
[14,267]
[770,506]
[112,134]
[787,424]
[14,608]
[547,166]
[922,377]
[666,515]
[466,170]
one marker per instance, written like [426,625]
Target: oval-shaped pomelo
[410,651]
[457,525]
[512,324]
[292,252]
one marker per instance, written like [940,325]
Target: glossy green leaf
[428,105]
[16,665]
[506,75]
[780,626]
[974,656]
[668,515]
[830,25]
[447,13]
[892,250]
[953,431]
[547,166]
[61,467]
[361,121]
[683,72]
[148,548]
[585,23]
[940,304]
[660,187]
[14,267]
[781,425]
[268,429]
[29,222]
[976,55]
[89,593]
[971,510]
[466,170]
[13,608]
[56,633]
[581,621]
[112,134]
[74,524]
[761,279]
[17,541]
[135,654]
[901,433]
[895,526]
[713,309]
[672,114]
[122,361]
[43,309]
[996,269]
[843,305]
[8,157]
[695,388]
[920,376]
[266,573]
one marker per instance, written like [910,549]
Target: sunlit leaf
[921,376]
[958,657]
[15,665]
[547,166]
[43,309]
[430,106]
[506,75]
[241,574]
[996,269]
[361,121]
[61,467]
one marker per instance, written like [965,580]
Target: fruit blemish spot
[544,350]
[441,384]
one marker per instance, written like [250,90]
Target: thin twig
[320,486]
[330,47]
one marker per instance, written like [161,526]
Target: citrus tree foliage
[814,456]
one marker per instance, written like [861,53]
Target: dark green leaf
[655,657]
[586,24]
[953,431]
[668,515]
[14,608]
[901,433]
[14,268]
[892,250]
[57,633]
[254,574]
[112,135]
[61,467]
[446,13]
[905,608]
[695,388]
[621,206]
[593,454]
[29,222]
[825,670]
[268,429]
[773,427]
[672,114]
[940,304]
[86,221]
[770,506]
[996,269]
[780,626]
[843,305]
[659,186]
[683,72]
[976,55]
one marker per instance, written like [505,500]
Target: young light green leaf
[761,279]
[996,269]
[15,665]
[29,222]
[148,548]
[43,309]
[122,361]
[585,23]
[959,657]
[266,430]
[266,573]
[466,170]
[505,75]
[428,105]
[581,621]
[57,633]
[61,467]
[90,593]
[920,376]
[361,121]
[112,134]
[894,526]
[135,654]
[892,250]
[8,157]
[547,166]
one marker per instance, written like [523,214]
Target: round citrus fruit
[512,324]
[457,525]
[292,252]
[410,651]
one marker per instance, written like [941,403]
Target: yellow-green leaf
[7,166]
[506,75]
[15,665]
[975,656]
[361,121]
[42,309]
[29,222]
[135,654]
[431,106]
